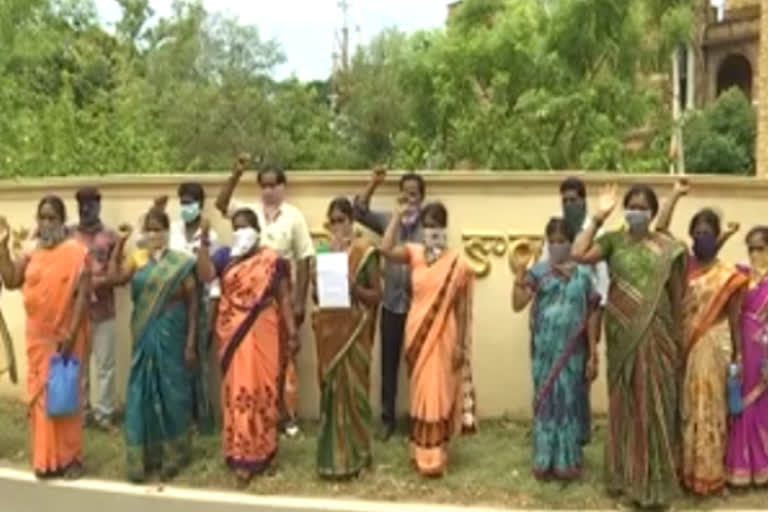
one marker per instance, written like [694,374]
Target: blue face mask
[637,220]
[190,212]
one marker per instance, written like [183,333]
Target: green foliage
[528,84]
[721,139]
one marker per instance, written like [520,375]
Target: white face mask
[243,240]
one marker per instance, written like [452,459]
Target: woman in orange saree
[254,302]
[437,335]
[54,281]
[712,307]
[344,340]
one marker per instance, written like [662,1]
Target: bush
[721,138]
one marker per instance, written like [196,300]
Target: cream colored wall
[493,204]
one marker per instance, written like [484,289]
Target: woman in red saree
[54,281]
[254,302]
[437,339]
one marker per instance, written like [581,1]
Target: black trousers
[392,333]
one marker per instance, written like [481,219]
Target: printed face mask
[51,235]
[190,212]
[243,240]
[637,220]
[435,239]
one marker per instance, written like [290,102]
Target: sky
[305,28]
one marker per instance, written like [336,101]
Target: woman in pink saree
[747,456]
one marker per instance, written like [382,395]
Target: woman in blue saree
[164,324]
[564,334]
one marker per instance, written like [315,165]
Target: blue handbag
[63,386]
[735,400]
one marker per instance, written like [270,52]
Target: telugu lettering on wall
[482,247]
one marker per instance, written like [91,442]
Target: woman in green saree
[344,340]
[166,301]
[643,329]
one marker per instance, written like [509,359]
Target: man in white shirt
[284,229]
[185,236]
[573,198]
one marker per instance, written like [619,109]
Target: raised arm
[584,249]
[225,194]
[119,272]
[731,229]
[663,221]
[206,270]
[522,293]
[11,269]
[388,249]
[375,221]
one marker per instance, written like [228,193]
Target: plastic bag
[63,387]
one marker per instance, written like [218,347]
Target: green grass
[490,468]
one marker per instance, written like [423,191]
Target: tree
[721,138]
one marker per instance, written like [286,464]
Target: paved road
[32,496]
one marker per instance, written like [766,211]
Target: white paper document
[332,280]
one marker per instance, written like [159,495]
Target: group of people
[678,326]
[686,343]
[193,295]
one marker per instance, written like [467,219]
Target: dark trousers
[392,333]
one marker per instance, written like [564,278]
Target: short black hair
[250,217]
[157,214]
[342,204]
[707,216]
[86,194]
[575,184]
[278,171]
[645,191]
[56,203]
[757,230]
[435,211]
[192,189]
[418,178]
[558,225]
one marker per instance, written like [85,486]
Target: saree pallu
[51,280]
[709,345]
[248,332]
[747,454]
[159,398]
[437,387]
[645,361]
[562,303]
[344,340]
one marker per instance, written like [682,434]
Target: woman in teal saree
[164,325]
